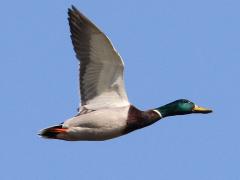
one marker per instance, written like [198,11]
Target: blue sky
[172,49]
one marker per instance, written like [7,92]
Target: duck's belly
[97,125]
[90,134]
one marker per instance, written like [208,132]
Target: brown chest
[138,119]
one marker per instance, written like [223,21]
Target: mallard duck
[105,111]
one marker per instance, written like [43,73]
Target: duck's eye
[187,102]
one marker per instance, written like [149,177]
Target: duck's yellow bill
[198,109]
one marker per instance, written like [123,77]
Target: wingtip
[70,9]
[73,7]
[73,12]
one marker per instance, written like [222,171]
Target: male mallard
[105,111]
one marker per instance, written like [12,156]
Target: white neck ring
[160,115]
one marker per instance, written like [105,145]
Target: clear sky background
[172,49]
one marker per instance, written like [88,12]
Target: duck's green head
[181,107]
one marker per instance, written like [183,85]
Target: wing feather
[101,67]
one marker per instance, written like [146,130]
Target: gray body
[101,124]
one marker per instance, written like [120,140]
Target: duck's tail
[52,132]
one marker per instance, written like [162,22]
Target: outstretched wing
[101,67]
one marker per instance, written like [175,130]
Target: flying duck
[105,111]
